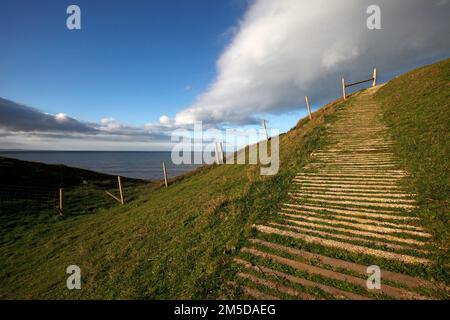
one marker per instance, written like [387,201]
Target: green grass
[416,107]
[177,243]
[32,188]
[164,244]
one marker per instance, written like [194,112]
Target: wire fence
[88,197]
[84,198]
[16,198]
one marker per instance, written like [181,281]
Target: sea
[132,164]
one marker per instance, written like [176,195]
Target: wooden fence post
[119,180]
[309,108]
[222,154]
[374,77]
[165,173]
[217,153]
[265,129]
[60,203]
[343,89]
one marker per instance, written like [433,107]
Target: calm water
[142,165]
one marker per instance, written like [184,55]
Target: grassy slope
[29,191]
[38,174]
[417,109]
[174,243]
[177,243]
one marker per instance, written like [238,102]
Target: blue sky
[137,70]
[142,57]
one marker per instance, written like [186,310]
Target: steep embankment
[352,205]
[416,107]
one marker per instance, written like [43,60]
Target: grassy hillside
[31,189]
[167,243]
[178,242]
[16,172]
[417,108]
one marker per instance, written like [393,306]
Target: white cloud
[285,49]
[110,124]
[338,54]
[164,120]
[61,117]
[106,121]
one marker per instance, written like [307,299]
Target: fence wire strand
[84,198]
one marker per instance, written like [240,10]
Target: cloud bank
[26,127]
[286,49]
[17,117]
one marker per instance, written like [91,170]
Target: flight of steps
[348,201]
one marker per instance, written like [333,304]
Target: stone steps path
[348,202]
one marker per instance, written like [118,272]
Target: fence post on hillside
[60,202]
[165,173]
[265,129]
[217,153]
[344,95]
[308,106]
[119,180]
[374,77]
[222,154]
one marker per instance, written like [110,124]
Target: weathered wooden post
[222,154]
[374,77]
[265,129]
[165,173]
[119,180]
[60,203]
[217,153]
[309,108]
[344,95]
